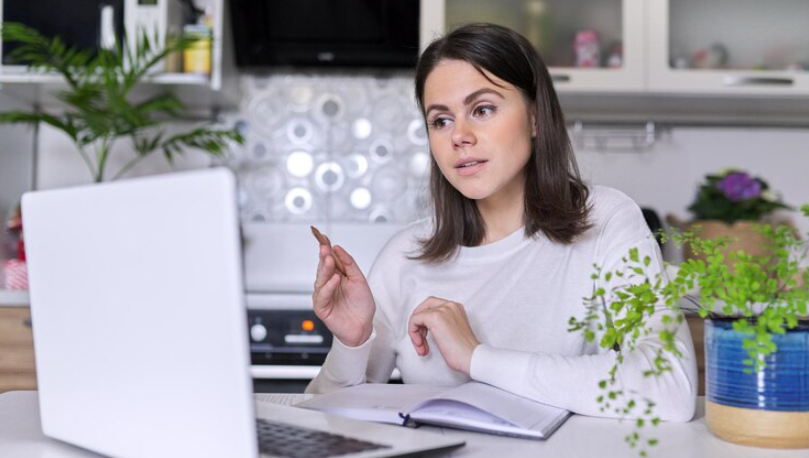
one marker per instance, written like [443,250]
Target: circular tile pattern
[362,128]
[298,201]
[416,132]
[389,183]
[381,151]
[419,164]
[360,198]
[300,131]
[329,176]
[356,165]
[300,164]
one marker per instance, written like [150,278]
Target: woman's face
[480,133]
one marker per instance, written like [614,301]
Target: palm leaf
[212,141]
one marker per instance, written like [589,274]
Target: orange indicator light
[308,325]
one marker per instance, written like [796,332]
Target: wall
[666,178]
[16,159]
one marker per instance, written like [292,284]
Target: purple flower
[739,186]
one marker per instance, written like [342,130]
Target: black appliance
[76,22]
[339,33]
[287,337]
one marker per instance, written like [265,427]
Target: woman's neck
[502,215]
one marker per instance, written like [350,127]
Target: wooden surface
[17,370]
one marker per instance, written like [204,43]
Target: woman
[484,290]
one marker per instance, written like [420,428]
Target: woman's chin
[474,194]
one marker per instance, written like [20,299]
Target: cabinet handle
[27,323]
[757,81]
[560,78]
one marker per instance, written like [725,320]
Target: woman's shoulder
[405,242]
[608,203]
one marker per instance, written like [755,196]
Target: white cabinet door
[729,47]
[588,45]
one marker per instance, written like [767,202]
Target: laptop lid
[136,294]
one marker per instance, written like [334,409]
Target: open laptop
[140,327]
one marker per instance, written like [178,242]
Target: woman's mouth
[470,167]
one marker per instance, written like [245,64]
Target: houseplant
[730,204]
[757,344]
[99,107]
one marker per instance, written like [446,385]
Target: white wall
[667,177]
[16,159]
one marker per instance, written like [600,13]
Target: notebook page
[514,409]
[373,401]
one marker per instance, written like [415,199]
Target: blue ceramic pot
[777,395]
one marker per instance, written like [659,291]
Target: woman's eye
[484,110]
[439,123]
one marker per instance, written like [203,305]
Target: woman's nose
[463,134]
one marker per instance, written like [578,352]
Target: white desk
[21,436]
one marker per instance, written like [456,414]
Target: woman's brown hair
[555,194]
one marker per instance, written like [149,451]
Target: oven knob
[258,332]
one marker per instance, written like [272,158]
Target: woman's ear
[532,112]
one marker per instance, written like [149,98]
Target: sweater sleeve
[572,381]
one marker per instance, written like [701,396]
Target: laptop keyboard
[283,440]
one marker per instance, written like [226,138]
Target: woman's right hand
[344,303]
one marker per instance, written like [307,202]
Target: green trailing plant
[100,109]
[766,295]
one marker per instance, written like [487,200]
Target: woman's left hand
[448,323]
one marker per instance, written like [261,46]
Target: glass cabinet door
[729,46]
[589,45]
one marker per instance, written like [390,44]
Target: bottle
[588,49]
[197,57]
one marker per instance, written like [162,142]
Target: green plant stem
[86,159]
[103,154]
[128,166]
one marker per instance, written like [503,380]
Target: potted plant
[730,204]
[99,106]
[757,333]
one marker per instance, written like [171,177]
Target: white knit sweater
[519,294]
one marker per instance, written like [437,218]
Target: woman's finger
[325,267]
[349,266]
[430,303]
[417,328]
[323,295]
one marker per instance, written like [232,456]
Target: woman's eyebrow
[471,97]
[466,101]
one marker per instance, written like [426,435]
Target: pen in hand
[325,241]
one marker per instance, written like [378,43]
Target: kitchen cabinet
[217,89]
[729,47]
[17,368]
[764,80]
[589,46]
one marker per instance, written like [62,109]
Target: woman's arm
[572,382]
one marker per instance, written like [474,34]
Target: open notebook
[472,406]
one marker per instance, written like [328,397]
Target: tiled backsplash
[331,148]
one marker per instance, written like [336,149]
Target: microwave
[332,33]
[92,24]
